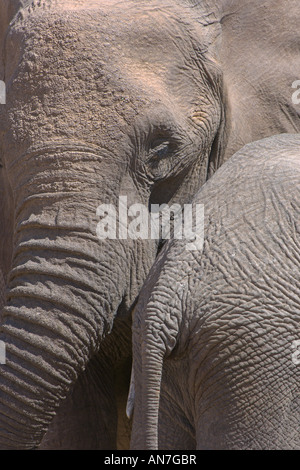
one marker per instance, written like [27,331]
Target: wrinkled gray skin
[108,98]
[213,329]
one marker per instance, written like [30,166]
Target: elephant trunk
[154,339]
[151,386]
[145,390]
[61,299]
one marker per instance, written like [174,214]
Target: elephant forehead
[145,40]
[115,60]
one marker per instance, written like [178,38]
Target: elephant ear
[260,61]
[256,44]
[220,142]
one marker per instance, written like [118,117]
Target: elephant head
[213,329]
[108,98]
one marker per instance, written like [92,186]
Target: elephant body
[213,330]
[108,98]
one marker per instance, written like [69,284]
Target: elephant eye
[159,149]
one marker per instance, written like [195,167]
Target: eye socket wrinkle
[159,142]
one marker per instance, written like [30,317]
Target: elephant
[213,329]
[110,98]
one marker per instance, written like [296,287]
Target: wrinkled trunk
[64,289]
[151,385]
[154,344]
[144,398]
[157,320]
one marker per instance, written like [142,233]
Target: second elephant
[214,330]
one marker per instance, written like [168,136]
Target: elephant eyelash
[159,149]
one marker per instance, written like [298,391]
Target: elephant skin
[213,330]
[106,98]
